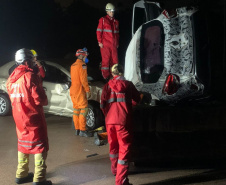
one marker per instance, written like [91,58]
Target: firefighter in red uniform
[38,66]
[28,97]
[108,40]
[116,103]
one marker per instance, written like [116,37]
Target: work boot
[77,132]
[29,178]
[126,182]
[43,183]
[85,133]
[98,141]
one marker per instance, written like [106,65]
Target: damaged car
[168,56]
[57,87]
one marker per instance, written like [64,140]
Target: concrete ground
[74,160]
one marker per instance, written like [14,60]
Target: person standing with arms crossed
[28,98]
[80,92]
[117,98]
[108,40]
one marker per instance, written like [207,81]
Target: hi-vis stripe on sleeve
[99,30]
[105,30]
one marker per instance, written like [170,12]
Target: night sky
[56,29]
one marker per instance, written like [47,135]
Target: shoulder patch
[84,66]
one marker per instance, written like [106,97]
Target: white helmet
[110,7]
[22,55]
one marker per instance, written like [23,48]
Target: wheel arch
[99,119]
[8,102]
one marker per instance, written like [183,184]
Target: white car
[56,84]
[168,55]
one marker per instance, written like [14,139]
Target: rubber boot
[77,132]
[29,178]
[99,141]
[43,183]
[85,134]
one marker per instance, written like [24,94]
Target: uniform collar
[80,60]
[111,18]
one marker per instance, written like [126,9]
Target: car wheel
[5,105]
[95,117]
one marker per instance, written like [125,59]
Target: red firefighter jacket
[108,31]
[116,100]
[28,97]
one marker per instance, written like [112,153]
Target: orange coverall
[79,87]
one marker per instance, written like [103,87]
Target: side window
[151,47]
[139,18]
[144,13]
[55,75]
[11,69]
[153,11]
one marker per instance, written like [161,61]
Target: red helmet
[81,52]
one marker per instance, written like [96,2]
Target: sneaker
[43,183]
[77,132]
[29,178]
[85,134]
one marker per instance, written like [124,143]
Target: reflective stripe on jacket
[116,100]
[108,31]
[28,97]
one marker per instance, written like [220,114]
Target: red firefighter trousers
[109,58]
[119,140]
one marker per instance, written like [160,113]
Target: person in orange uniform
[28,98]
[108,40]
[80,92]
[117,98]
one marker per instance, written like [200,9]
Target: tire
[5,105]
[95,117]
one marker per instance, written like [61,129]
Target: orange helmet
[82,52]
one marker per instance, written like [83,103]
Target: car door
[56,85]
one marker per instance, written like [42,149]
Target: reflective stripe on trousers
[109,58]
[79,118]
[122,162]
[119,139]
[29,144]
[113,155]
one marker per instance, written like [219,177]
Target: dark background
[56,30]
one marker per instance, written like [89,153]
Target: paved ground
[74,160]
